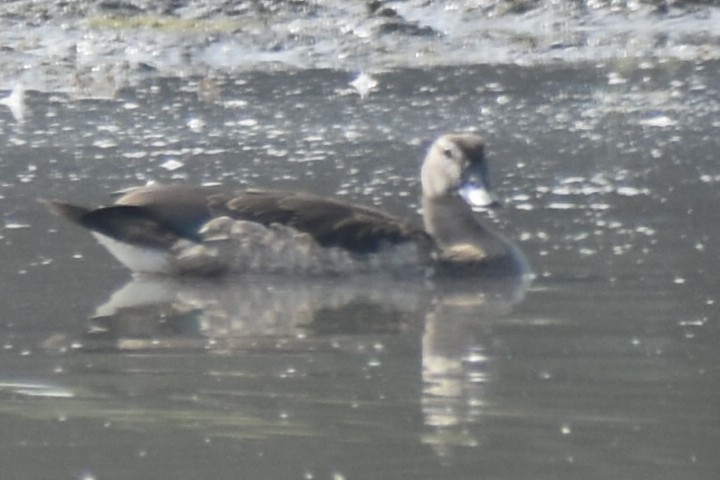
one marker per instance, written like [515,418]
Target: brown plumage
[164,219]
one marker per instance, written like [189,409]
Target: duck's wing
[157,216]
[182,209]
[332,223]
[126,223]
[154,216]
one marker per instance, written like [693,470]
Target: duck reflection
[445,321]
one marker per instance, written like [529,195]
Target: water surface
[604,366]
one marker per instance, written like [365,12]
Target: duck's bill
[478,197]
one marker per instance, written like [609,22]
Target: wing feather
[331,222]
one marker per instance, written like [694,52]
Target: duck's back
[262,231]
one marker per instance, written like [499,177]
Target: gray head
[455,166]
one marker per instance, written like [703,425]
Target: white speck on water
[87,476]
[196,125]
[631,191]
[503,100]
[635,341]
[134,155]
[277,152]
[709,178]
[615,78]
[570,180]
[374,362]
[565,429]
[15,101]
[105,143]
[658,121]
[247,122]
[525,236]
[364,84]
[338,476]
[172,164]
[16,225]
[678,280]
[235,104]
[130,106]
[562,206]
[475,357]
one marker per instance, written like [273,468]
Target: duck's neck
[453,225]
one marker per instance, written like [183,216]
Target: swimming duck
[208,230]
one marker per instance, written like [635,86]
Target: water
[605,366]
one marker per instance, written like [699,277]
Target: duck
[211,230]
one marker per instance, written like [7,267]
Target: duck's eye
[448,153]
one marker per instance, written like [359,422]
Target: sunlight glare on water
[600,366]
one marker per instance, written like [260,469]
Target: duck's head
[455,166]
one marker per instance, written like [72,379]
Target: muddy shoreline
[99,46]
